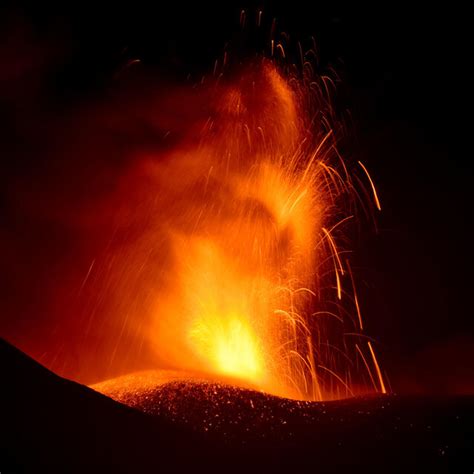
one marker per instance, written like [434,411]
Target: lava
[249,208]
[201,228]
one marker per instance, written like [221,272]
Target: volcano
[184,425]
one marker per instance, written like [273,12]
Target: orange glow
[249,218]
[237,269]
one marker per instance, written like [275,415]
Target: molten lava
[248,206]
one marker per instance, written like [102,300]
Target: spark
[374,191]
[377,368]
[367,366]
[86,277]
[338,260]
[338,378]
[356,299]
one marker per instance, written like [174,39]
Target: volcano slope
[149,422]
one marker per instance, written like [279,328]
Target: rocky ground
[153,425]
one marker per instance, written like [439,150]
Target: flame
[227,260]
[247,211]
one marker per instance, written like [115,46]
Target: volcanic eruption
[179,272]
[245,214]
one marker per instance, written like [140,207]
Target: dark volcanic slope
[207,427]
[242,415]
[49,424]
[390,431]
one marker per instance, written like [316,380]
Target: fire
[247,209]
[220,331]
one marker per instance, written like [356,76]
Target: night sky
[406,80]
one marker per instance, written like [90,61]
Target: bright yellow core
[230,344]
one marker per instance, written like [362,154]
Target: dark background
[406,77]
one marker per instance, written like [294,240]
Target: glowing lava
[250,201]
